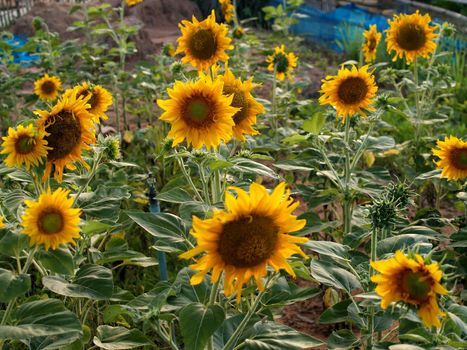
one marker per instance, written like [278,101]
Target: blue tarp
[326,27]
[16,43]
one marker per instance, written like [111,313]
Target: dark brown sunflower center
[64,135]
[48,87]
[25,144]
[248,241]
[352,90]
[411,37]
[372,44]
[50,221]
[239,100]
[459,158]
[198,112]
[202,44]
[281,62]
[416,285]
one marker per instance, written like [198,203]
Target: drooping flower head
[24,146]
[203,43]
[47,87]
[351,91]
[199,113]
[370,45]
[411,36]
[453,158]
[227,10]
[284,63]
[69,130]
[51,220]
[252,233]
[99,102]
[412,281]
[245,118]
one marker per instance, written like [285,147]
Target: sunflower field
[243,189]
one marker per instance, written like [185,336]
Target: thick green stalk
[233,339]
[371,314]
[347,205]
[93,172]
[274,109]
[417,106]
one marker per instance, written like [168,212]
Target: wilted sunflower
[47,87]
[51,220]
[372,39]
[133,2]
[411,35]
[284,63]
[24,146]
[69,130]
[453,158]
[350,91]
[227,9]
[245,118]
[204,43]
[412,281]
[199,113]
[99,102]
[251,234]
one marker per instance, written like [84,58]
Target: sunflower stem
[347,205]
[213,295]
[417,105]
[371,314]
[233,339]
[93,172]
[274,108]
[187,176]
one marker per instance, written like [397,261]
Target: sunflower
[372,39]
[204,43]
[99,101]
[47,87]
[412,281]
[238,32]
[251,234]
[453,158]
[51,220]
[411,35]
[245,118]
[2,224]
[199,113]
[133,2]
[350,91]
[227,10]
[24,146]
[69,130]
[284,63]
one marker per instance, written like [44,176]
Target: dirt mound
[158,20]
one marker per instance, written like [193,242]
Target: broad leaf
[119,338]
[334,276]
[13,285]
[198,323]
[42,318]
[273,336]
[91,281]
[59,260]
